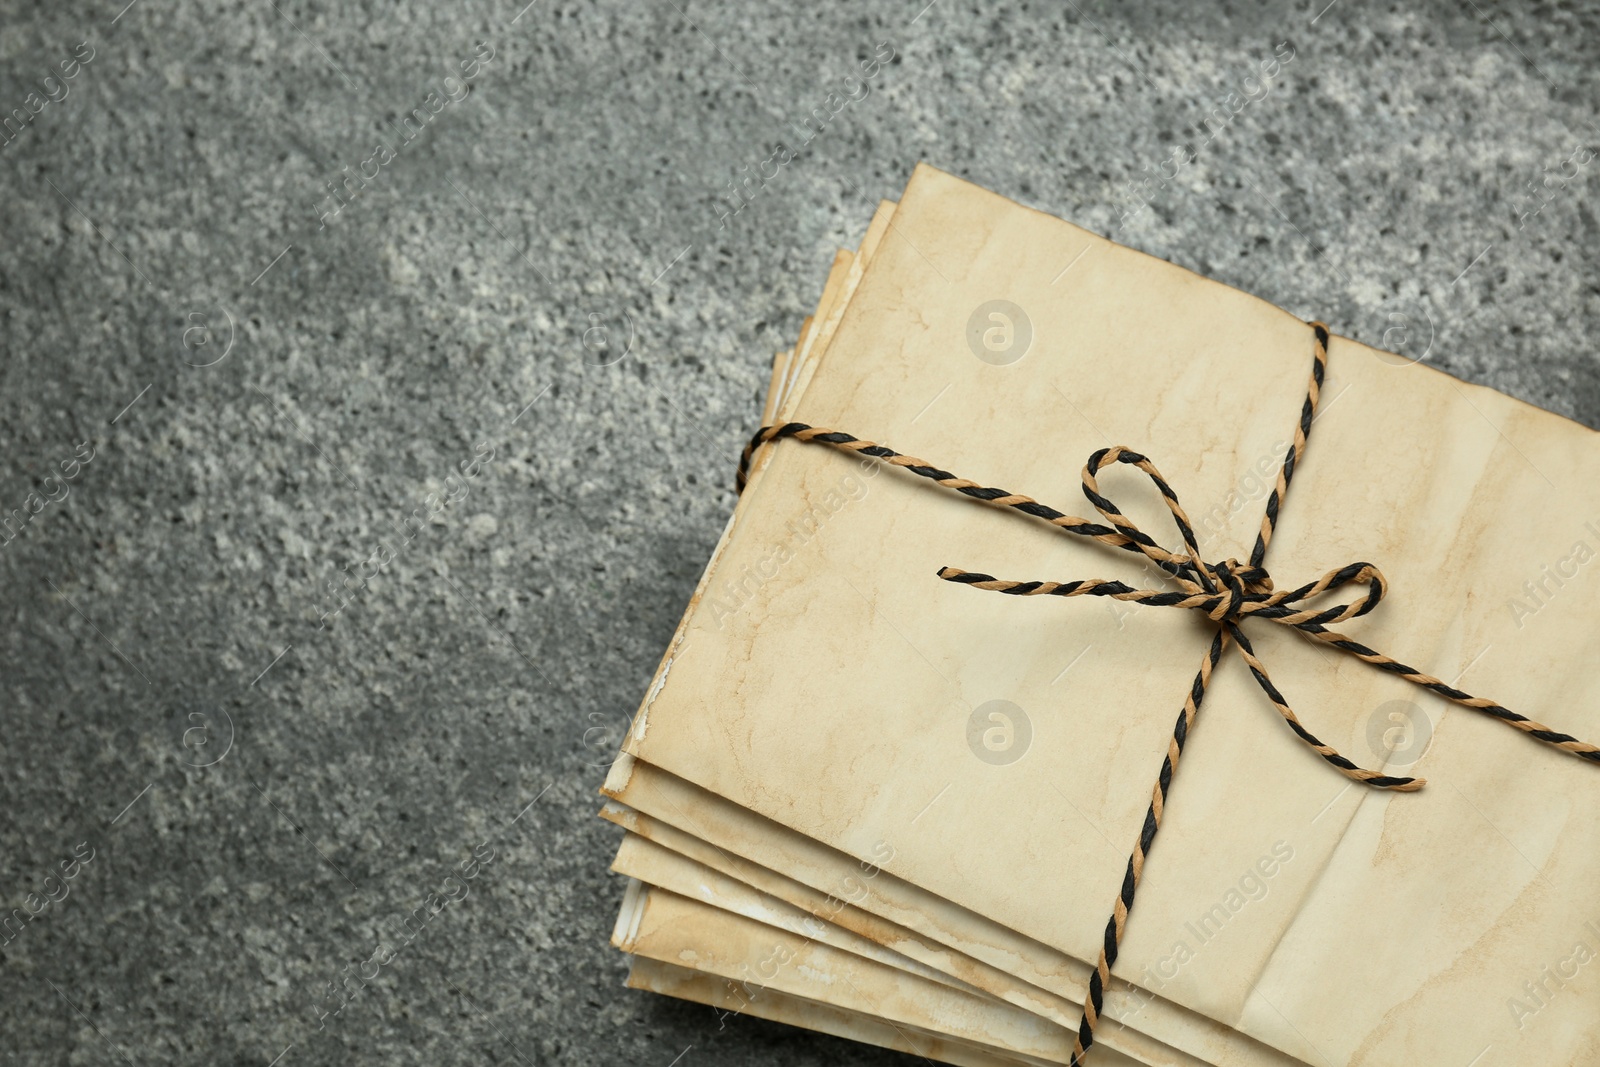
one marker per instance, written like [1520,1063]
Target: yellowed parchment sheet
[933,916]
[687,984]
[939,922]
[1392,928]
[749,954]
[656,865]
[856,897]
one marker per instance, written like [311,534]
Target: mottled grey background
[169,204]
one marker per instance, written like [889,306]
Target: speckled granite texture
[268,331]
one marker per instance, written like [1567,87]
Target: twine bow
[1227,593]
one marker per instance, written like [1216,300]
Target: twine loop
[1225,592]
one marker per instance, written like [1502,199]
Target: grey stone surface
[172,202]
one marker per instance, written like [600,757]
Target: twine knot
[1226,593]
[1244,584]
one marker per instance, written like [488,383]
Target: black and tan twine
[1227,593]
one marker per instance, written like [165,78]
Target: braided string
[1226,593]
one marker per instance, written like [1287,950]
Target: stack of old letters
[866,801]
